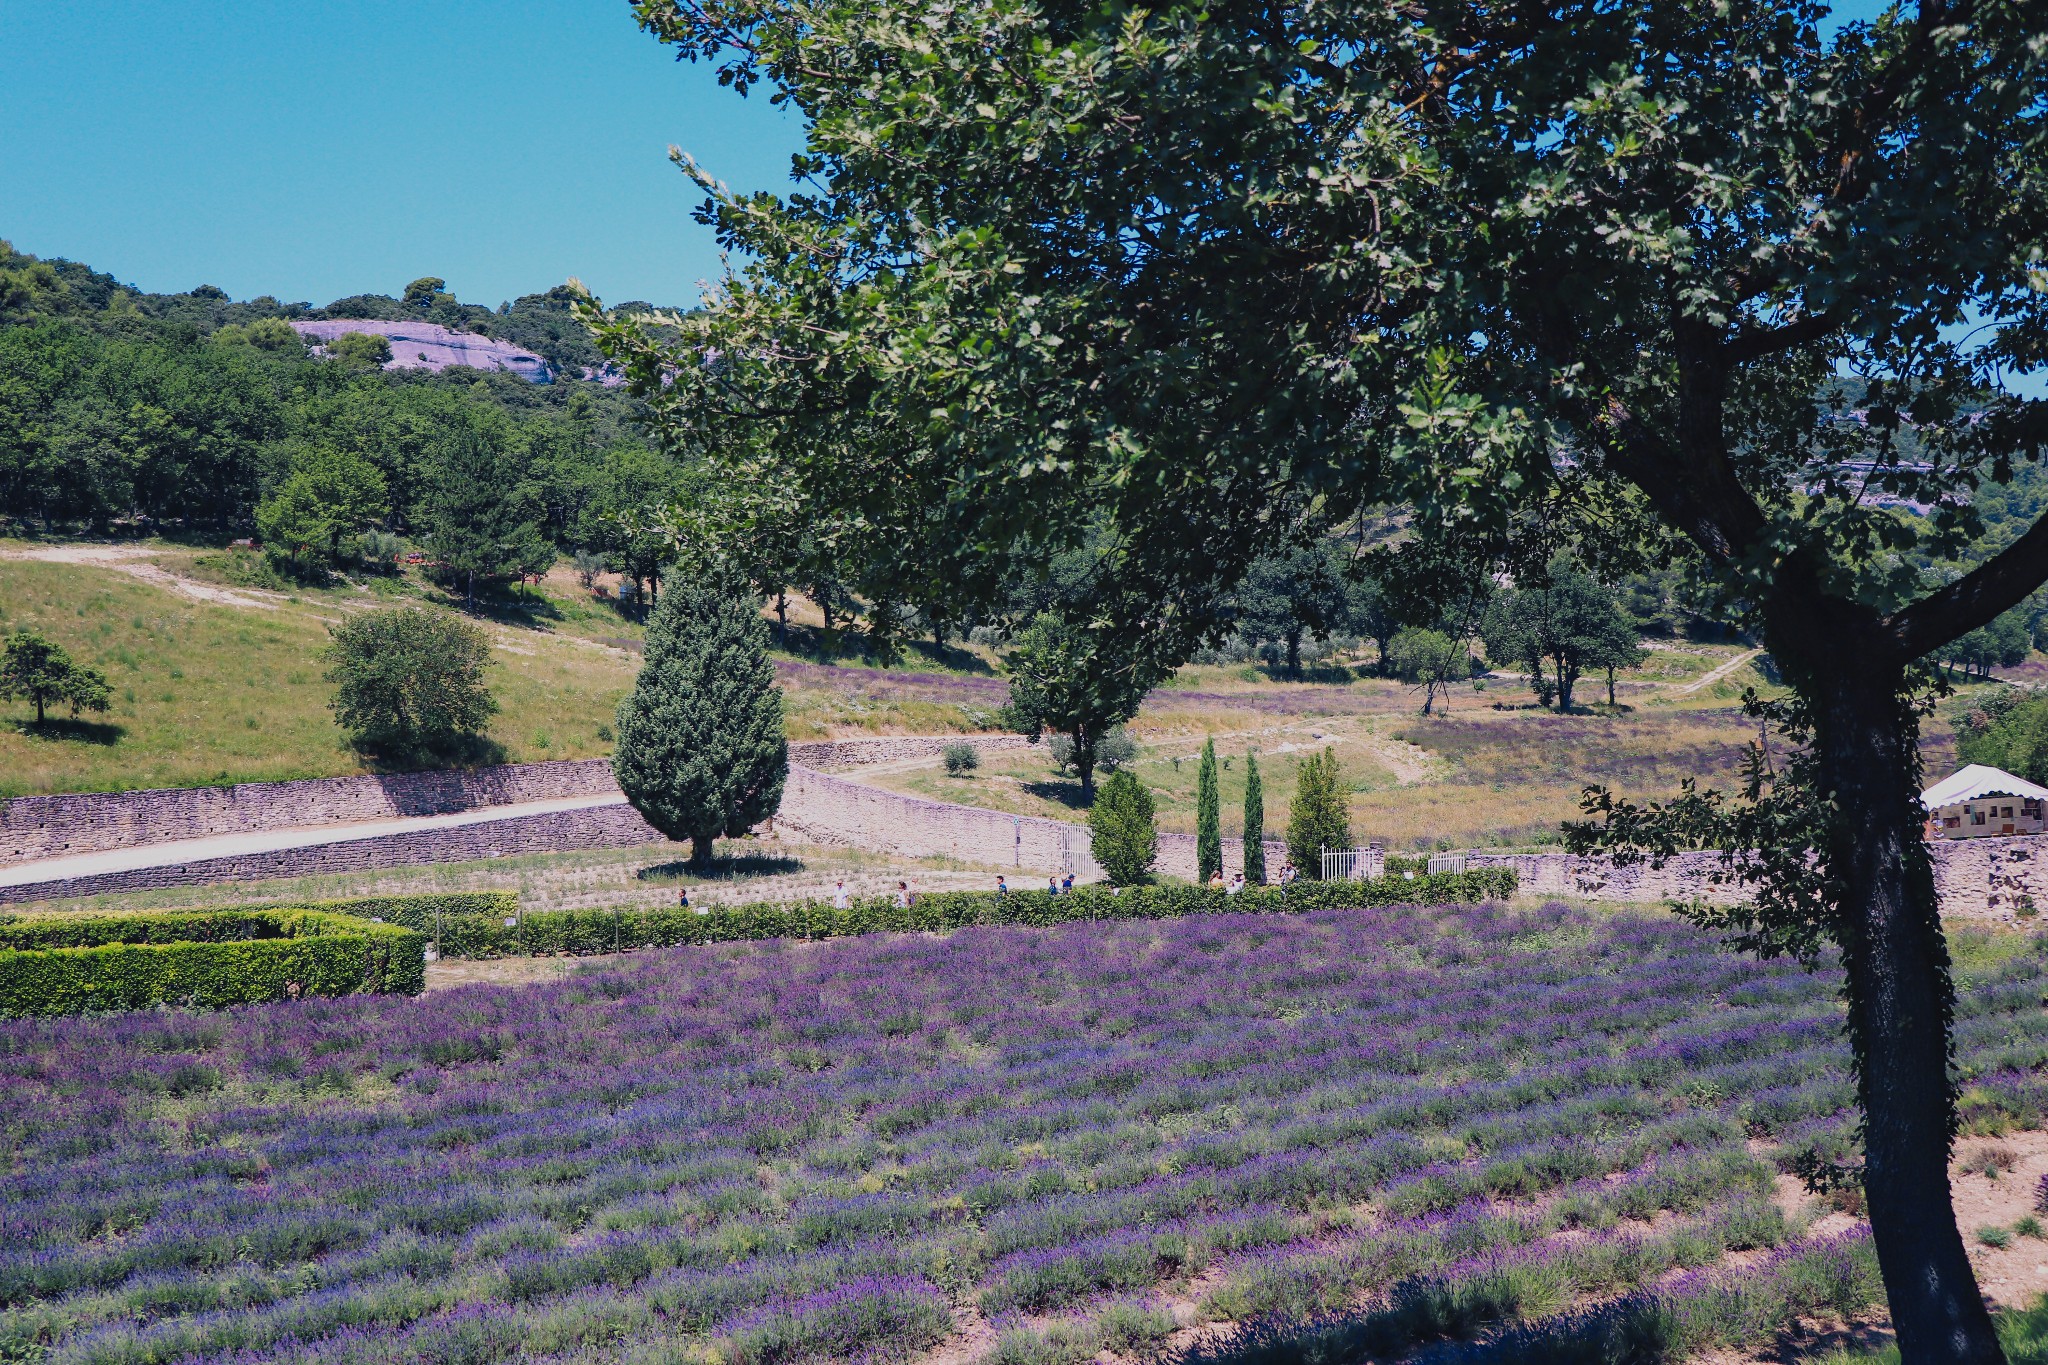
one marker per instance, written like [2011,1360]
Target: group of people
[1054,886]
[1237,882]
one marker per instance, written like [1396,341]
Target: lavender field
[1015,1145]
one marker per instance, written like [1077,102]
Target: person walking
[1067,885]
[902,895]
[1216,880]
[840,900]
[1236,885]
[1052,886]
[1002,887]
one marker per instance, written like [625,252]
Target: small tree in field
[1208,818]
[1254,822]
[1318,818]
[1062,681]
[1431,658]
[409,681]
[39,671]
[701,751]
[1123,836]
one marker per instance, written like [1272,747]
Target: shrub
[1318,817]
[585,932]
[1122,831]
[960,759]
[408,681]
[67,964]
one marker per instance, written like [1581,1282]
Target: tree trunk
[39,708]
[1565,681]
[1084,764]
[703,850]
[1293,653]
[1610,684]
[782,618]
[1865,738]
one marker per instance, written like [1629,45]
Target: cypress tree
[701,751]
[1208,819]
[1254,823]
[1318,817]
[1122,834]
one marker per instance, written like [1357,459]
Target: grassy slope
[206,692]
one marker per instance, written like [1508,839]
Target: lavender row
[1017,1120]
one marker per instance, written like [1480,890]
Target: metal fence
[1446,862]
[1353,864]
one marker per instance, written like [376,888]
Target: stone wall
[33,827]
[833,810]
[610,826]
[827,755]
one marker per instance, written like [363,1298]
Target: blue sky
[315,150]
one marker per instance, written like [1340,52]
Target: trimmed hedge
[412,912]
[582,932]
[74,962]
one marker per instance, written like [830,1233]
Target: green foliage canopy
[40,671]
[1319,816]
[1065,679]
[1188,275]
[1254,822]
[409,682]
[701,749]
[1123,832]
[1208,819]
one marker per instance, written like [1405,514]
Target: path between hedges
[176,852]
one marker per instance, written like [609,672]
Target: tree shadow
[81,731]
[1067,793]
[1338,674]
[731,868]
[466,751]
[514,606]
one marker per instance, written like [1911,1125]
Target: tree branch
[1976,599]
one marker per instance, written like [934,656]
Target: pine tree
[1254,823]
[1208,819]
[1318,818]
[701,751]
[1122,834]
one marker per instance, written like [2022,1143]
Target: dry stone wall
[612,826]
[35,827]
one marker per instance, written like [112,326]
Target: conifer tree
[1254,822]
[701,751]
[1208,819]
[1317,818]
[1122,833]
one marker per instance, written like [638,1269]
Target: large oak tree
[1188,276]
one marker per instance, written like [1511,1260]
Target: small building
[1980,802]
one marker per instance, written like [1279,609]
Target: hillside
[218,681]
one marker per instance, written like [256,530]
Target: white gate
[1446,862]
[1352,864]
